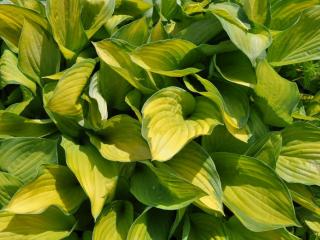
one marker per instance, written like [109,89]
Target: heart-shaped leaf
[172,117]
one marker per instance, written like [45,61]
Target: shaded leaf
[23,157]
[159,186]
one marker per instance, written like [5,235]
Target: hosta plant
[160,120]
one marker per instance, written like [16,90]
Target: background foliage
[132,119]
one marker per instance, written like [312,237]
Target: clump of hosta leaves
[159,120]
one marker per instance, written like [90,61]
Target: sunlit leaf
[97,176]
[114,222]
[251,43]
[116,55]
[135,33]
[64,17]
[172,117]
[51,225]
[196,166]
[96,13]
[55,185]
[121,140]
[65,98]
[10,73]
[165,57]
[276,108]
[299,43]
[254,193]
[12,20]
[299,157]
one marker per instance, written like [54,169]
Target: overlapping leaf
[172,117]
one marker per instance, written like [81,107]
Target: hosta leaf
[20,107]
[64,100]
[133,99]
[34,48]
[9,184]
[254,193]
[232,102]
[133,7]
[12,20]
[240,232]
[54,186]
[115,221]
[310,219]
[135,33]
[221,140]
[23,157]
[204,226]
[69,126]
[172,117]
[115,21]
[149,227]
[197,32]
[267,149]
[303,195]
[299,43]
[276,108]
[165,57]
[251,43]
[98,108]
[96,13]
[65,20]
[116,55]
[97,176]
[299,157]
[113,87]
[236,67]
[257,127]
[286,13]
[159,186]
[158,32]
[10,73]
[121,140]
[257,11]
[12,125]
[169,8]
[50,225]
[178,219]
[35,5]
[196,166]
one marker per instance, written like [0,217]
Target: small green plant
[159,120]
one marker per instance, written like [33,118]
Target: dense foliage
[141,120]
